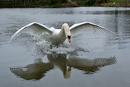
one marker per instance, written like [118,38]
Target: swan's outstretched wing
[34,28]
[90,27]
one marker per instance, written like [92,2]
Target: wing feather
[90,27]
[34,28]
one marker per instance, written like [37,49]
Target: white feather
[90,27]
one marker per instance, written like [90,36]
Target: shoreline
[64,5]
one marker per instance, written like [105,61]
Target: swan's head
[69,38]
[65,26]
[68,34]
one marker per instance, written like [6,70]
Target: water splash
[67,48]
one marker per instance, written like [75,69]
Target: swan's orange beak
[69,38]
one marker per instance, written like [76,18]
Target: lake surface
[92,60]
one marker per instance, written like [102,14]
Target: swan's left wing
[34,28]
[90,27]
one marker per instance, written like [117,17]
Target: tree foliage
[29,3]
[50,3]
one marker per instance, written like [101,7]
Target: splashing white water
[66,48]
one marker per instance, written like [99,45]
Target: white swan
[58,36]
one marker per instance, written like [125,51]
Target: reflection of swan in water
[90,66]
[38,69]
[33,71]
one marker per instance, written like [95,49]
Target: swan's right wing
[90,27]
[34,28]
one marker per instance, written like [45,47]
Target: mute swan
[58,36]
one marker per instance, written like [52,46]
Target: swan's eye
[69,36]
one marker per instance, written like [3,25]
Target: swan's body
[58,36]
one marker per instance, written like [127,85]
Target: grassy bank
[116,3]
[103,3]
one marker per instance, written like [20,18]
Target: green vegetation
[62,3]
[116,3]
[30,3]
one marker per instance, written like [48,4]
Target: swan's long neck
[65,31]
[62,32]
